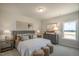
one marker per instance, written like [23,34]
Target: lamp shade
[38,31]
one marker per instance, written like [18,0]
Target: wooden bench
[46,51]
[39,52]
[51,48]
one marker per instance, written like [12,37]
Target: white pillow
[34,36]
[25,37]
[19,35]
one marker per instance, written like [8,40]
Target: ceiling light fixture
[41,9]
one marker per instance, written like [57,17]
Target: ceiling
[52,9]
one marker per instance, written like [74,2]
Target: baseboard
[69,46]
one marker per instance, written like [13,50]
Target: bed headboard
[30,33]
[23,32]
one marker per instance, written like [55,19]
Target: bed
[27,46]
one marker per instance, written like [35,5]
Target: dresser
[53,37]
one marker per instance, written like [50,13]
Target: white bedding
[25,48]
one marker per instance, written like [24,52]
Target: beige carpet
[58,51]
[10,53]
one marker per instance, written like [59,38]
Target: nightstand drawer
[6,45]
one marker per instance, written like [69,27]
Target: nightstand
[6,45]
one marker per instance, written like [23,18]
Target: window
[70,30]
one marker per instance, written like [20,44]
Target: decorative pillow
[19,35]
[25,37]
[34,36]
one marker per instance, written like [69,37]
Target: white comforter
[25,48]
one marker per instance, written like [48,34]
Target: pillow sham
[25,37]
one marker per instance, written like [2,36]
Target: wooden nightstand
[6,45]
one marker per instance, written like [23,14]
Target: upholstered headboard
[23,33]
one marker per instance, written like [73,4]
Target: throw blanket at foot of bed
[25,48]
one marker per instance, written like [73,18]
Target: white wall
[7,18]
[60,20]
[36,23]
